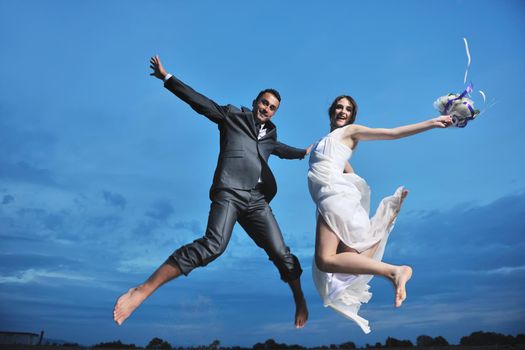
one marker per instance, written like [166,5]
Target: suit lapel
[251,121]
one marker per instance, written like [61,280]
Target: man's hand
[158,69]
[308,149]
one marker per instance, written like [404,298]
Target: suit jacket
[243,159]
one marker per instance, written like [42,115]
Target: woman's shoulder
[348,135]
[350,129]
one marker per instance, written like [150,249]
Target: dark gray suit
[236,193]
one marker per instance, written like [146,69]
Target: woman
[349,245]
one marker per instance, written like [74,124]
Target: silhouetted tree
[272,344]
[157,343]
[115,345]
[293,347]
[269,344]
[487,338]
[333,346]
[396,343]
[428,341]
[440,341]
[424,341]
[347,345]
[215,345]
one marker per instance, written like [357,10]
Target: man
[243,185]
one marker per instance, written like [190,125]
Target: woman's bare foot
[400,278]
[127,303]
[404,194]
[301,313]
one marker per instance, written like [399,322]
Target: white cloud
[505,270]
[139,264]
[456,311]
[41,276]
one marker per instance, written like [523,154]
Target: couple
[349,245]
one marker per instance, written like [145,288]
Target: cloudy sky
[103,173]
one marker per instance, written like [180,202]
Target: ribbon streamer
[468,62]
[484,97]
[467,91]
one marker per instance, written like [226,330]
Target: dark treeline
[423,341]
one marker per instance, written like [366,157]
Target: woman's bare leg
[404,194]
[131,300]
[372,250]
[328,260]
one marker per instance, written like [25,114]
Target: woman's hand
[443,121]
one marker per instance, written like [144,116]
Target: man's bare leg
[129,301]
[301,311]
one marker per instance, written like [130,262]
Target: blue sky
[103,173]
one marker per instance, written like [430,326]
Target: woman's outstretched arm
[354,133]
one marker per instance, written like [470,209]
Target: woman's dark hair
[331,110]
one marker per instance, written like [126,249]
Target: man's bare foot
[400,278]
[127,303]
[301,313]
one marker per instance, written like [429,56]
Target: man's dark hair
[271,91]
[331,110]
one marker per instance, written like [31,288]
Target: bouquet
[459,106]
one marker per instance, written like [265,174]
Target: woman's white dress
[343,200]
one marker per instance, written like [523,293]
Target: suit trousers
[251,210]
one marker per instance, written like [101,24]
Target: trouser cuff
[289,275]
[172,260]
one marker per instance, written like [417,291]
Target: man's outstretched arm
[200,103]
[288,152]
